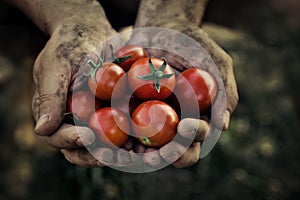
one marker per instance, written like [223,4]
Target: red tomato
[195,84]
[151,83]
[106,79]
[82,104]
[110,125]
[136,52]
[154,123]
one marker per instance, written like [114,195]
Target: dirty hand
[185,17]
[55,71]
[225,101]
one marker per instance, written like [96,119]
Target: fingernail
[86,136]
[188,133]
[188,128]
[172,156]
[152,157]
[107,157]
[41,122]
[171,151]
[123,158]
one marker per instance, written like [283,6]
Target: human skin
[186,17]
[71,41]
[75,28]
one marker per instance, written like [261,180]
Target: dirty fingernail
[152,157]
[106,156]
[187,127]
[86,136]
[42,120]
[123,158]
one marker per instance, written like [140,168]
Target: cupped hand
[57,71]
[211,58]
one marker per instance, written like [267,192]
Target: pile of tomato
[139,97]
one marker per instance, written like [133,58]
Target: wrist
[49,15]
[157,13]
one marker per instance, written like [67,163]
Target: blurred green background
[257,158]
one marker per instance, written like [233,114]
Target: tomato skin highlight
[145,89]
[82,104]
[154,123]
[136,52]
[110,125]
[195,83]
[107,77]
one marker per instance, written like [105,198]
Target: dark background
[257,158]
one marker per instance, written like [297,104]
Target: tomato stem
[115,59]
[156,74]
[95,67]
[146,140]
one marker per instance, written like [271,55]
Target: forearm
[159,12]
[48,14]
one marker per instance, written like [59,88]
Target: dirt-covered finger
[70,137]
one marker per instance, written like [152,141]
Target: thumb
[51,81]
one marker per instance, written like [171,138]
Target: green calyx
[115,59]
[94,67]
[156,74]
[146,140]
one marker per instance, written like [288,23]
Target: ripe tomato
[103,84]
[151,78]
[196,85]
[154,123]
[122,55]
[83,104]
[110,125]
